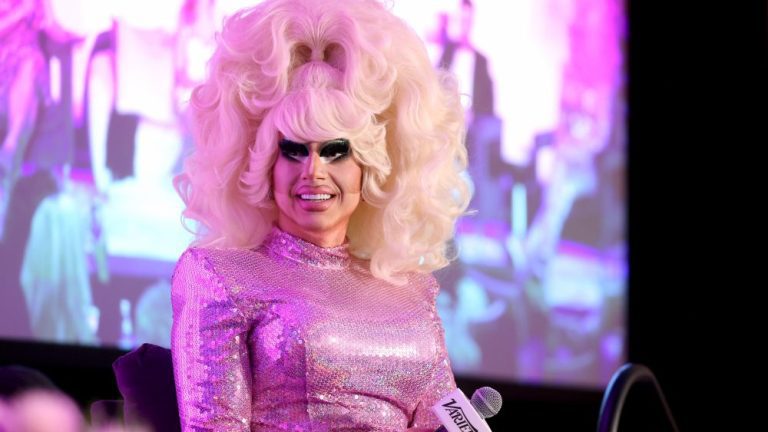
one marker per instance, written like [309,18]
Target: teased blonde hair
[315,70]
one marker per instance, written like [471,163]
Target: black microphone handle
[616,393]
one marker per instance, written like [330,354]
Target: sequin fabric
[295,337]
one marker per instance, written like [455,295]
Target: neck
[284,245]
[321,237]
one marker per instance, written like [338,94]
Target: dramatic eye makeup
[335,150]
[293,150]
[330,151]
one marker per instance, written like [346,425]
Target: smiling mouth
[315,197]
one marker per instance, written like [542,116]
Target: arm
[210,355]
[442,381]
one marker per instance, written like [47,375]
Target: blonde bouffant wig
[315,70]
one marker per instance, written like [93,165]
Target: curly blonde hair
[314,70]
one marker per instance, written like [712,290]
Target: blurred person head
[31,402]
[15,379]
[44,410]
[7,418]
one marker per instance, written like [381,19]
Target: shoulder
[197,259]
[425,284]
[213,269]
[418,283]
[216,260]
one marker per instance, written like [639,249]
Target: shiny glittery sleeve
[442,381]
[208,343]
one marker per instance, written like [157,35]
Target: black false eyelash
[335,147]
[290,148]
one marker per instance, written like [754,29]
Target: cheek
[353,179]
[281,176]
[281,188]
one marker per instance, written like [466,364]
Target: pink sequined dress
[294,337]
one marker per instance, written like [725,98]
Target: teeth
[315,197]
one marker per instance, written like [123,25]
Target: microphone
[457,414]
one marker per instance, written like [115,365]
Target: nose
[314,168]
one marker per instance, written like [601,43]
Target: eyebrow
[287,142]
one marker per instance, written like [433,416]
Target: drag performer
[323,190]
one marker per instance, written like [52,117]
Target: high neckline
[296,249]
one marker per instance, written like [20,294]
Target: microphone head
[486,401]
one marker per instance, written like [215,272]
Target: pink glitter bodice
[291,336]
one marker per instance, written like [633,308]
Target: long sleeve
[442,381]
[210,354]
